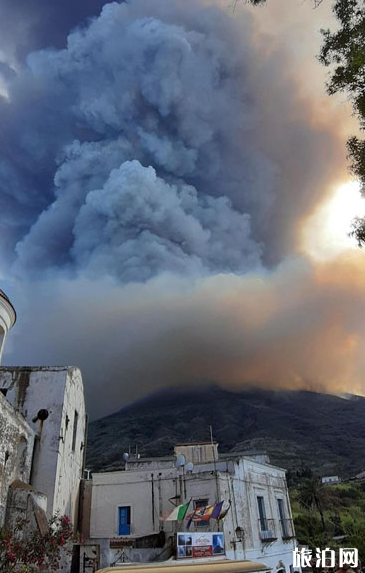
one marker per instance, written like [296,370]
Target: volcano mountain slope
[322,431]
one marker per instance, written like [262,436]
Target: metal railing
[287,528]
[267,529]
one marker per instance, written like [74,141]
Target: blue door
[124,521]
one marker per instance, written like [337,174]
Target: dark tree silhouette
[312,494]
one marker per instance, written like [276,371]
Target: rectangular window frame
[282,516]
[262,512]
[123,530]
[198,504]
[74,430]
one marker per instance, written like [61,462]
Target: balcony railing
[287,528]
[267,529]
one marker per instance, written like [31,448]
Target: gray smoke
[299,327]
[166,147]
[171,86]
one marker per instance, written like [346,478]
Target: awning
[225,566]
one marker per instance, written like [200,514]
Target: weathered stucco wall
[148,493]
[16,450]
[27,504]
[255,480]
[72,445]
[55,394]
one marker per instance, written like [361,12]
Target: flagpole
[214,465]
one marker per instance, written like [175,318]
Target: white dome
[7,318]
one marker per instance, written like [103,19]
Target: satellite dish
[189,467]
[180,461]
[125,457]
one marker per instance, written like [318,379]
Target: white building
[51,401]
[328,480]
[42,435]
[7,319]
[122,509]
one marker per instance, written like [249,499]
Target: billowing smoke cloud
[151,172]
[28,25]
[175,88]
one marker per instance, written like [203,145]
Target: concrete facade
[55,394]
[150,489]
[42,439]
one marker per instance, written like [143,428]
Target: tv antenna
[189,467]
[180,461]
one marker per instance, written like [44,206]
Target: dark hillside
[323,431]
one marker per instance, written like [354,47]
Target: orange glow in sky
[326,231]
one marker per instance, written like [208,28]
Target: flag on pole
[217,510]
[178,513]
[205,513]
[224,512]
[190,518]
[200,514]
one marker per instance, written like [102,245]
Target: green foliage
[340,513]
[294,477]
[309,531]
[31,552]
[344,50]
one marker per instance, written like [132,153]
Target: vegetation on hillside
[319,430]
[328,515]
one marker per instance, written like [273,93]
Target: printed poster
[200,544]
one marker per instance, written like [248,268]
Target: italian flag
[178,513]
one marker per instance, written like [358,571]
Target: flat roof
[197,444]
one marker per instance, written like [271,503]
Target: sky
[175,198]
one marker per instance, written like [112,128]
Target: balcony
[267,530]
[287,528]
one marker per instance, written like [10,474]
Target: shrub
[30,552]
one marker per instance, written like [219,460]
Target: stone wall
[16,450]
[56,395]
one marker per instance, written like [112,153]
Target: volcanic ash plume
[149,171]
[299,327]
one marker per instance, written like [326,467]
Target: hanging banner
[200,544]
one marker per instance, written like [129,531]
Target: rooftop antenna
[189,467]
[180,461]
[214,463]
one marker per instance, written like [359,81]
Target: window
[282,517]
[200,504]
[124,520]
[262,513]
[22,458]
[74,434]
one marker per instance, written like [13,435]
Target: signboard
[200,544]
